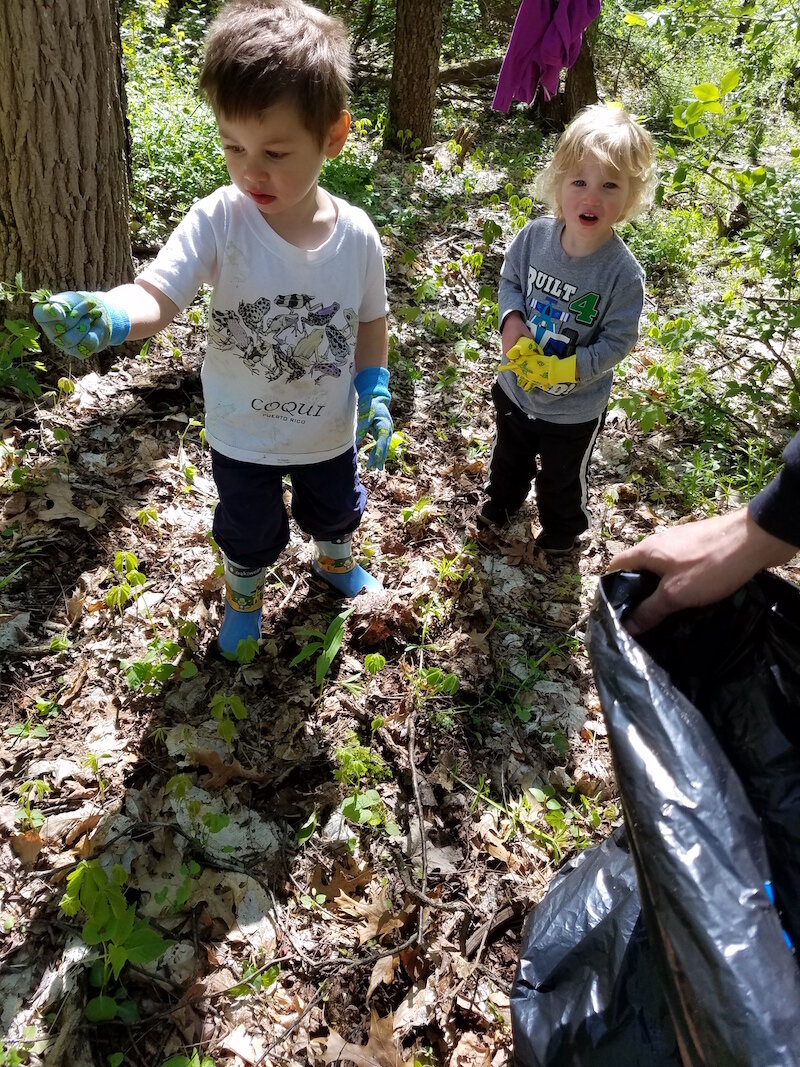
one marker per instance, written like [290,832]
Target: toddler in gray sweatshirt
[571,295]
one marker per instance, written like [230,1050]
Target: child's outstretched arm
[372,386]
[82,323]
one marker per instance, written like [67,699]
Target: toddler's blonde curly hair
[617,141]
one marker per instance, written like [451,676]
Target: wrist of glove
[82,323]
[533,368]
[372,387]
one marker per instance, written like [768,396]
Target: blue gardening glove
[372,386]
[82,323]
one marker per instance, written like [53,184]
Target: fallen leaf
[343,880]
[60,494]
[245,1046]
[382,973]
[470,1052]
[378,918]
[27,846]
[518,552]
[222,771]
[380,1051]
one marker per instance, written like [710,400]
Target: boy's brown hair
[617,141]
[263,52]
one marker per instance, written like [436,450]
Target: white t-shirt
[278,372]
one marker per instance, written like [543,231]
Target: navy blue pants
[250,522]
[563,451]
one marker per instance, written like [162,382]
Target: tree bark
[63,161]
[415,70]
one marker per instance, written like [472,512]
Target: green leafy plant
[325,646]
[92,761]
[227,709]
[366,808]
[19,339]
[147,515]
[29,728]
[188,876]
[246,651]
[255,979]
[29,817]
[355,764]
[197,1059]
[306,831]
[129,581]
[18,1054]
[61,642]
[204,823]
[112,925]
[421,513]
[160,663]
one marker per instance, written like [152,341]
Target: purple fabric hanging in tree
[546,39]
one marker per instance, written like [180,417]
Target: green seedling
[129,583]
[227,709]
[306,831]
[18,1054]
[325,646]
[112,925]
[148,515]
[189,872]
[160,663]
[61,642]
[255,979]
[422,513]
[93,763]
[367,809]
[204,823]
[197,1059]
[246,651]
[374,663]
[313,900]
[356,763]
[19,339]
[433,681]
[28,817]
[29,728]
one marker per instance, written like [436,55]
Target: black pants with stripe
[563,451]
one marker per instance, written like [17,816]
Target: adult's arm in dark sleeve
[776,509]
[702,562]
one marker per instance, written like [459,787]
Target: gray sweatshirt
[587,305]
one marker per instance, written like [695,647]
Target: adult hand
[82,323]
[372,386]
[699,563]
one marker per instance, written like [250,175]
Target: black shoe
[493,514]
[556,544]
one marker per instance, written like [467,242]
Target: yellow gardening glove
[533,368]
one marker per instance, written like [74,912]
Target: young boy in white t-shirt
[297,340]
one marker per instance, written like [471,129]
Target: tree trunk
[63,160]
[580,89]
[415,70]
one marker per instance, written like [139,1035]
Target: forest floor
[341,858]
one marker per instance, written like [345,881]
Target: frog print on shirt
[301,338]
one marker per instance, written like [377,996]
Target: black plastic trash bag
[586,991]
[706,692]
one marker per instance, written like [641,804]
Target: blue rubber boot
[335,565]
[244,598]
